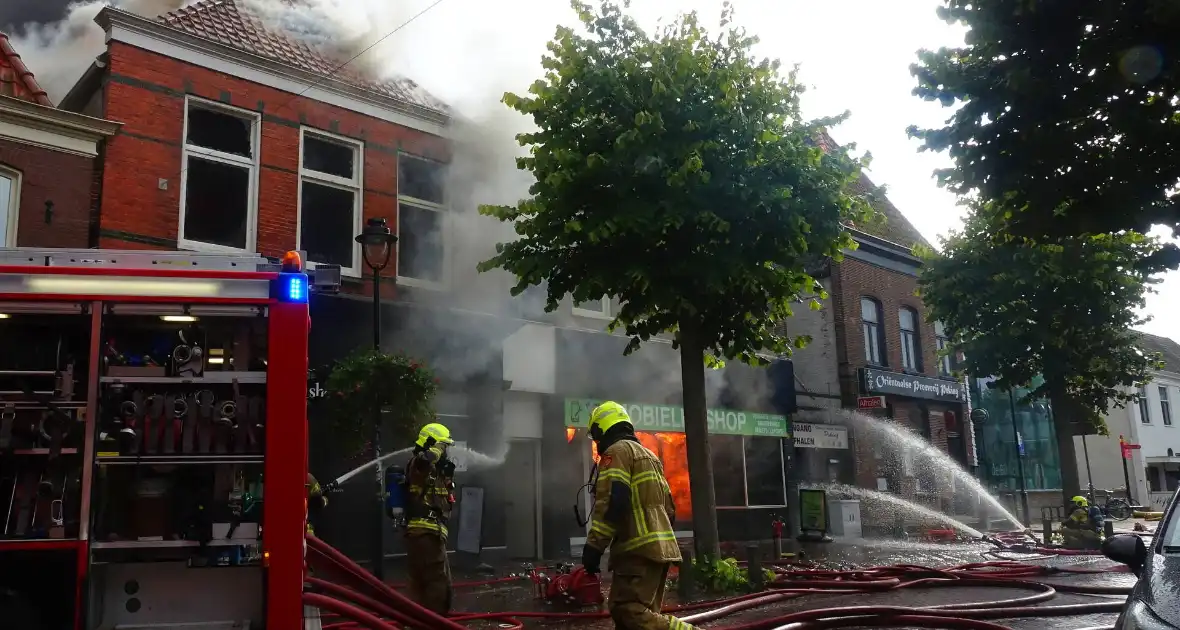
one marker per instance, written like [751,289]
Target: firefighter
[429,499]
[316,502]
[1082,528]
[633,515]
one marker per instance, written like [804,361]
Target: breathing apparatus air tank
[395,495]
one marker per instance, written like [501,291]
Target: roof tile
[224,22]
[15,77]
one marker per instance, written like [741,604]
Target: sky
[854,55]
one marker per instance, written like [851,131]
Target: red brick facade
[47,175]
[146,92]
[894,289]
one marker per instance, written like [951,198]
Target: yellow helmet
[434,433]
[605,416]
[1080,501]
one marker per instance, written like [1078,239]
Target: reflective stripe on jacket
[633,511]
[429,495]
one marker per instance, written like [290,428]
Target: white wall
[1156,437]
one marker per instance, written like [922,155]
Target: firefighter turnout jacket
[633,510]
[429,493]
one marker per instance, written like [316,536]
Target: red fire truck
[153,439]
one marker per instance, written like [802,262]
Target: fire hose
[362,601]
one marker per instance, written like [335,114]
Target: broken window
[329,200]
[218,206]
[421,223]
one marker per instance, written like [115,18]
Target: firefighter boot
[637,595]
[430,572]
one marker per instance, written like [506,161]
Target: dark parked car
[1154,604]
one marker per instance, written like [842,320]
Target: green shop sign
[668,418]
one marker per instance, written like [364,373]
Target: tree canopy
[675,172]
[1063,310]
[1070,112]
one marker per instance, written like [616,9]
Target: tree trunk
[1063,416]
[696,439]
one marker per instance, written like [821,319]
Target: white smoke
[58,53]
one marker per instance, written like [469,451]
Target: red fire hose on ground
[359,600]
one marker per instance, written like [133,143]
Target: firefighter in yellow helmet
[1082,529]
[633,515]
[429,499]
[316,502]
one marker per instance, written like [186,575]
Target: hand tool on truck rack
[257,425]
[7,419]
[132,423]
[227,413]
[153,426]
[24,495]
[205,426]
[176,407]
[244,423]
[189,429]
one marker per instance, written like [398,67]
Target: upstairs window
[911,346]
[1165,406]
[421,222]
[1144,410]
[9,205]
[599,308]
[219,162]
[330,169]
[871,317]
[943,341]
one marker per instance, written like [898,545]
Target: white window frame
[941,342]
[12,218]
[604,314]
[443,209]
[1165,405]
[1143,404]
[250,163]
[356,186]
[911,342]
[874,344]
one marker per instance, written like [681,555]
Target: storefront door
[520,504]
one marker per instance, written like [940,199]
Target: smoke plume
[59,52]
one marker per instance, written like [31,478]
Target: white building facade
[1150,423]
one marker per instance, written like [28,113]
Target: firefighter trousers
[430,572]
[637,595]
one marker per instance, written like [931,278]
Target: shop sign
[670,418]
[819,435]
[870,402]
[910,385]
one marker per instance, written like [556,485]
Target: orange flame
[570,432]
[670,448]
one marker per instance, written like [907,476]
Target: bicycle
[1115,508]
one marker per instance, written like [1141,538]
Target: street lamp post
[1019,458]
[377,242]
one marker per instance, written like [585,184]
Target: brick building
[887,349]
[48,156]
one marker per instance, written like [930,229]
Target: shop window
[1153,479]
[422,222]
[9,202]
[729,483]
[911,346]
[871,316]
[1144,410]
[945,367]
[330,200]
[218,202]
[764,472]
[1165,406]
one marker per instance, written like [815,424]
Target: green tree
[675,172]
[1021,308]
[1068,114]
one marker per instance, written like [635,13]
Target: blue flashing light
[292,287]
